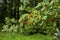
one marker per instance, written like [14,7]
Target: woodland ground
[5,36]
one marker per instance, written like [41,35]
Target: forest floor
[5,36]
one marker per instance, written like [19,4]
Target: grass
[4,36]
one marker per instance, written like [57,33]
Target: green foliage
[30,22]
[48,11]
[39,19]
[35,22]
[10,25]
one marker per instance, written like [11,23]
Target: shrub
[10,25]
[36,22]
[29,23]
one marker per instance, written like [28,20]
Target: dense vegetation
[29,16]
